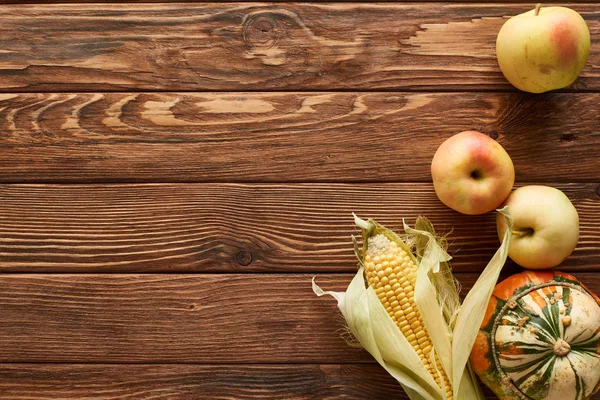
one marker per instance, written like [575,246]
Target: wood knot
[568,137]
[261,31]
[244,258]
[493,134]
[598,191]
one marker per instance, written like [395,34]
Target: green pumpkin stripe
[524,348]
[543,328]
[535,385]
[549,315]
[523,366]
[592,340]
[533,371]
[587,352]
[579,382]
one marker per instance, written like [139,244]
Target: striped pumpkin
[540,339]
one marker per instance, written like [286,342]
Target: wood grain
[210,382]
[177,318]
[286,137]
[260,46]
[171,318]
[238,228]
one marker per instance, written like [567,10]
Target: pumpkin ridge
[592,339]
[579,382]
[540,374]
[533,367]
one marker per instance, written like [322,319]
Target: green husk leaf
[471,313]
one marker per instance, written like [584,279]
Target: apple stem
[523,232]
[538,6]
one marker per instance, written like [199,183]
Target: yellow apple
[472,173]
[543,49]
[545,229]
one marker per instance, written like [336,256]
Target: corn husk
[452,326]
[472,311]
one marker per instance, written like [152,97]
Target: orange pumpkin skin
[540,339]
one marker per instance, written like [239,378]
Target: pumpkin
[540,339]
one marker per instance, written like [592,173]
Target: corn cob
[386,282]
[391,271]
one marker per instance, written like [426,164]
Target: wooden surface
[173,174]
[239,227]
[291,137]
[257,46]
[231,319]
[210,382]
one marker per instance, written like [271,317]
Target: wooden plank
[238,228]
[210,382]
[170,319]
[260,46]
[276,137]
[177,318]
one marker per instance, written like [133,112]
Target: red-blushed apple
[472,173]
[545,229]
[543,49]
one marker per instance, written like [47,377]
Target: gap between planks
[511,2]
[455,91]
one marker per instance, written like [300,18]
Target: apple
[543,49]
[545,229]
[472,173]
